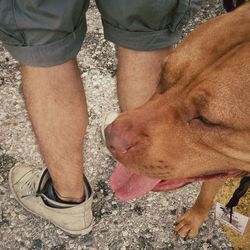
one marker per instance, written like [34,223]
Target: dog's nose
[119,141]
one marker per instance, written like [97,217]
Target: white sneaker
[26,183]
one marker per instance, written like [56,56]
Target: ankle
[66,198]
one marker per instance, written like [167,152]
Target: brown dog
[198,122]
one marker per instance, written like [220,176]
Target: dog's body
[198,122]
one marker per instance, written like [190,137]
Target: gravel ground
[145,223]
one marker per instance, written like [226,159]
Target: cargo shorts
[50,32]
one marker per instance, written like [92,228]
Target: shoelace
[30,183]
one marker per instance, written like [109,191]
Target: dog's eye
[206,122]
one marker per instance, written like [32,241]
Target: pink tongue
[127,185]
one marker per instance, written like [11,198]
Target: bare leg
[138,75]
[56,104]
[190,222]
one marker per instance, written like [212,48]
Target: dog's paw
[188,224]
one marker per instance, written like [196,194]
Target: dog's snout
[119,139]
[120,145]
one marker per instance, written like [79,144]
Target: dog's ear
[167,77]
[204,46]
[171,72]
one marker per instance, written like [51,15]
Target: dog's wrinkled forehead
[221,90]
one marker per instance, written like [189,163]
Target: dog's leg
[190,222]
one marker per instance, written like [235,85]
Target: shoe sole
[70,232]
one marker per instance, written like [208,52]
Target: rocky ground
[145,223]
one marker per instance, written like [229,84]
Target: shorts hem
[138,40]
[50,54]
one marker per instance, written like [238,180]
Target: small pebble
[124,233]
[22,217]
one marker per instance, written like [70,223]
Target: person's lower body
[46,42]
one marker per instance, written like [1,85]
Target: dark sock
[50,193]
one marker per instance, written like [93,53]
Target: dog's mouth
[128,185]
[212,176]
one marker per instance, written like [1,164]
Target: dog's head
[198,121]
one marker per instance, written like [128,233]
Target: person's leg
[138,75]
[46,47]
[57,108]
[143,34]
